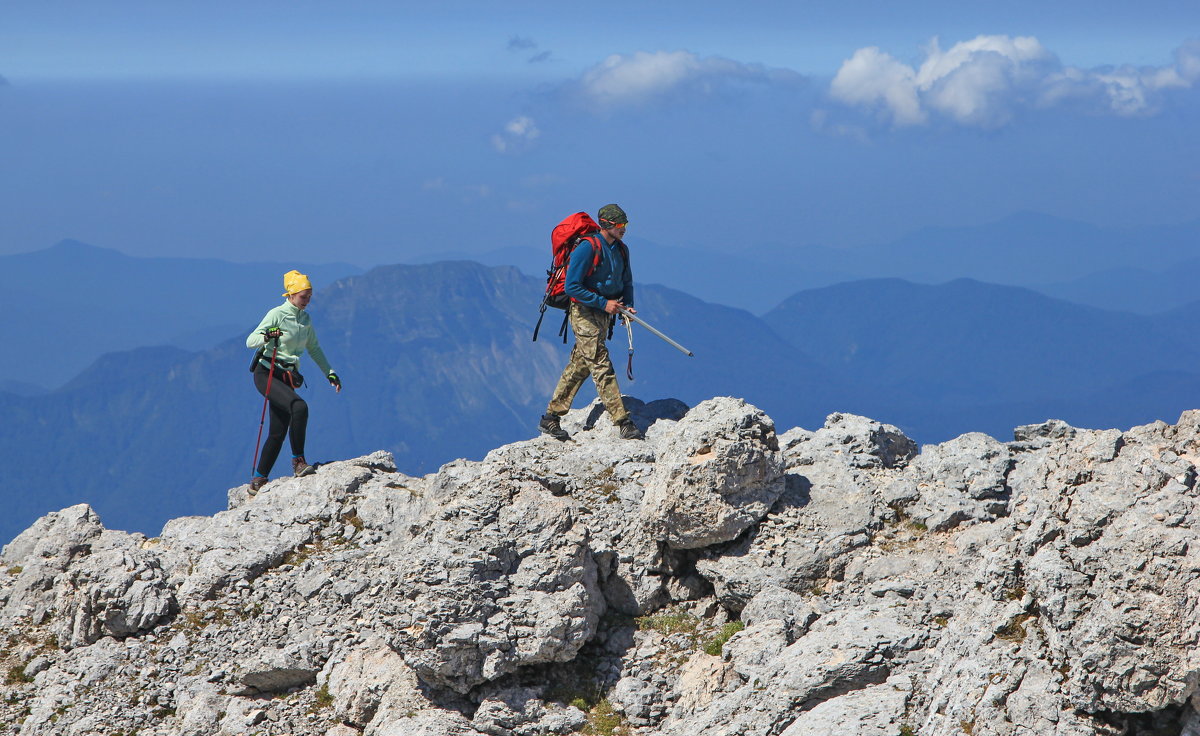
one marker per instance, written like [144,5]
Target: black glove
[334,380]
[272,333]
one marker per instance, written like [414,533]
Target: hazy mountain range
[71,303]
[438,363]
[68,304]
[1137,269]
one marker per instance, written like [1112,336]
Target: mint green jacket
[298,336]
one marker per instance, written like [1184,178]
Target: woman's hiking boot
[301,468]
[256,483]
[549,425]
[629,431]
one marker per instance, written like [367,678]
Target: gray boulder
[503,578]
[858,441]
[718,473]
[1043,586]
[92,581]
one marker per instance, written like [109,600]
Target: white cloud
[985,81]
[1187,61]
[644,75]
[518,134]
[872,77]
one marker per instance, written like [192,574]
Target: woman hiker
[284,333]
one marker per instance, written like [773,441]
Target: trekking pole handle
[630,315]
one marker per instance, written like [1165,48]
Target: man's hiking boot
[629,431]
[300,468]
[256,483]
[549,425]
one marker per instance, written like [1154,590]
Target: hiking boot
[256,483]
[300,468]
[629,431]
[549,425]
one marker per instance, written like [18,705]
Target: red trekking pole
[266,398]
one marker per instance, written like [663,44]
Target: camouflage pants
[590,355]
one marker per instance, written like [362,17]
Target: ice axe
[631,316]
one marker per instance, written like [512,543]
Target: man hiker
[599,285]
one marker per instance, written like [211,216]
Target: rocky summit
[717,579]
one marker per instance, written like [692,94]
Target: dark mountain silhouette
[736,279]
[437,363]
[20,388]
[1024,249]
[73,302]
[1142,269]
[969,356]
[1136,290]
[964,341]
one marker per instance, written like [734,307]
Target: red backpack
[563,239]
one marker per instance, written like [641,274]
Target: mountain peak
[656,585]
[76,248]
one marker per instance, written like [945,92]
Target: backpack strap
[596,252]
[541,316]
[562,331]
[593,241]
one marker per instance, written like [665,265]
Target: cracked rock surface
[717,579]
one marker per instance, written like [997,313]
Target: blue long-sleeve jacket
[612,278]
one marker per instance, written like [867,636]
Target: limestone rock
[116,590]
[779,604]
[1048,585]
[840,655]
[274,670]
[720,472]
[861,442]
[95,582]
[962,480]
[499,581]
[40,554]
[358,684]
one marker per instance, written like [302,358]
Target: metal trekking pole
[629,364]
[669,341]
[266,398]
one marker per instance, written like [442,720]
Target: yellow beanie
[295,282]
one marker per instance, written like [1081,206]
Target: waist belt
[266,363]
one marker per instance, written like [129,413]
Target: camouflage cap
[612,214]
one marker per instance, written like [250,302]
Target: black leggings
[289,415]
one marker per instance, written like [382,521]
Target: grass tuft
[17,676]
[716,645]
[604,720]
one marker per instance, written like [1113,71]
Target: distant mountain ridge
[73,302]
[968,355]
[1028,248]
[438,364]
[965,338]
[1137,290]
[740,280]
[1142,269]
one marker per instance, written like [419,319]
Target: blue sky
[370,132]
